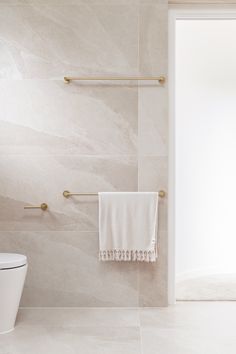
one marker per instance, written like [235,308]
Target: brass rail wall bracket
[162,194]
[66,194]
[42,206]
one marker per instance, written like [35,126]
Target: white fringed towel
[128,226]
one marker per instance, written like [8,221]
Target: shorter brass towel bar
[42,206]
[160,79]
[68,194]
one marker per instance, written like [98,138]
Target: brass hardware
[160,79]
[162,194]
[43,206]
[67,80]
[68,194]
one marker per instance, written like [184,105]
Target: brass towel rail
[68,194]
[160,79]
[42,206]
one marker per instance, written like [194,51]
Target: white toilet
[13,268]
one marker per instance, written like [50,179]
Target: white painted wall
[205,146]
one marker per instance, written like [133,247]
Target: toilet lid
[12,260]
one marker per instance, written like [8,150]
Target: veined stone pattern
[87,137]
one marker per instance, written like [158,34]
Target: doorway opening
[203,152]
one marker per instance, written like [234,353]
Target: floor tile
[189,328]
[68,340]
[186,328]
[78,317]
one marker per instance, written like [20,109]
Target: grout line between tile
[140,331]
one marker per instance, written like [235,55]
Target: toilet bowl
[13,268]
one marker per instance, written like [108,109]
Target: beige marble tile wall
[81,137]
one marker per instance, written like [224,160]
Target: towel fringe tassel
[123,255]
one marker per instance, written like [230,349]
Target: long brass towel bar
[160,79]
[68,194]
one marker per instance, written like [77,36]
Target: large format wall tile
[42,116]
[153,173]
[64,270]
[153,133]
[53,41]
[153,177]
[92,2]
[153,277]
[32,179]
[74,2]
[153,38]
[153,122]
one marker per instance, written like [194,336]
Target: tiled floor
[187,328]
[211,287]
